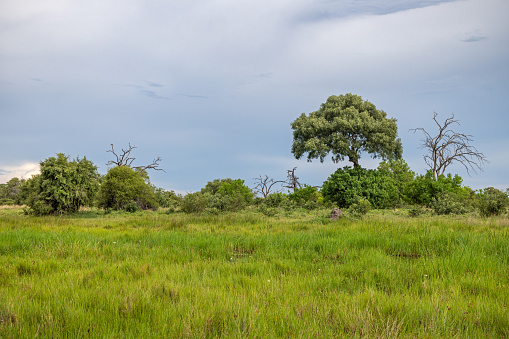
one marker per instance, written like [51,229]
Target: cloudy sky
[211,86]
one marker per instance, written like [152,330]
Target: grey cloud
[154,84]
[331,9]
[2,171]
[474,38]
[152,94]
[37,79]
[194,96]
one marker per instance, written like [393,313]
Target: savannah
[372,253]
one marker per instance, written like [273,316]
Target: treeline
[64,186]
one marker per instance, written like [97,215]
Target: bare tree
[264,185]
[292,180]
[449,146]
[125,159]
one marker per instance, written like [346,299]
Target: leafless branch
[125,159]
[448,147]
[264,185]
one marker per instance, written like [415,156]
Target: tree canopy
[62,187]
[346,126]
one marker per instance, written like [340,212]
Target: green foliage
[423,189]
[448,203]
[346,126]
[277,199]
[168,199]
[218,196]
[360,207]
[346,184]
[9,192]
[62,187]
[492,202]
[121,186]
[308,197]
[196,202]
[400,172]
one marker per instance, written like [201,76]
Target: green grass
[152,274]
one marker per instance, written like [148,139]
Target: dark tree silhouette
[449,146]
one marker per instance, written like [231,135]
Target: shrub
[195,202]
[424,189]
[346,184]
[168,199]
[448,203]
[219,195]
[307,197]
[122,186]
[62,187]
[276,199]
[492,202]
[360,207]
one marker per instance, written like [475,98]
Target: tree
[448,147]
[9,192]
[345,186]
[123,186]
[264,185]
[125,159]
[62,187]
[292,181]
[346,126]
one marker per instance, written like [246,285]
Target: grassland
[152,274]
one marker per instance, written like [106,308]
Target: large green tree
[346,126]
[62,187]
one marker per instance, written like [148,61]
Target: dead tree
[125,159]
[292,180]
[448,147]
[264,185]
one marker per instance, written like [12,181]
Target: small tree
[346,126]
[492,202]
[123,186]
[292,181]
[264,185]
[448,146]
[62,187]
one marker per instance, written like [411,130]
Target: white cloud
[24,171]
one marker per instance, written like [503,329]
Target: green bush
[307,197]
[492,202]
[168,199]
[448,203]
[122,186]
[195,202]
[218,196]
[424,189]
[360,207]
[346,184]
[62,187]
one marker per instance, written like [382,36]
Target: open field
[152,274]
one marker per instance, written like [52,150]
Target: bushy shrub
[276,200]
[400,172]
[195,202]
[360,207]
[218,196]
[307,197]
[122,186]
[10,192]
[168,199]
[492,202]
[448,203]
[346,184]
[424,189]
[62,187]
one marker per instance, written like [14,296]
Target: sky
[212,86]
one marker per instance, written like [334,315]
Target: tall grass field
[247,275]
